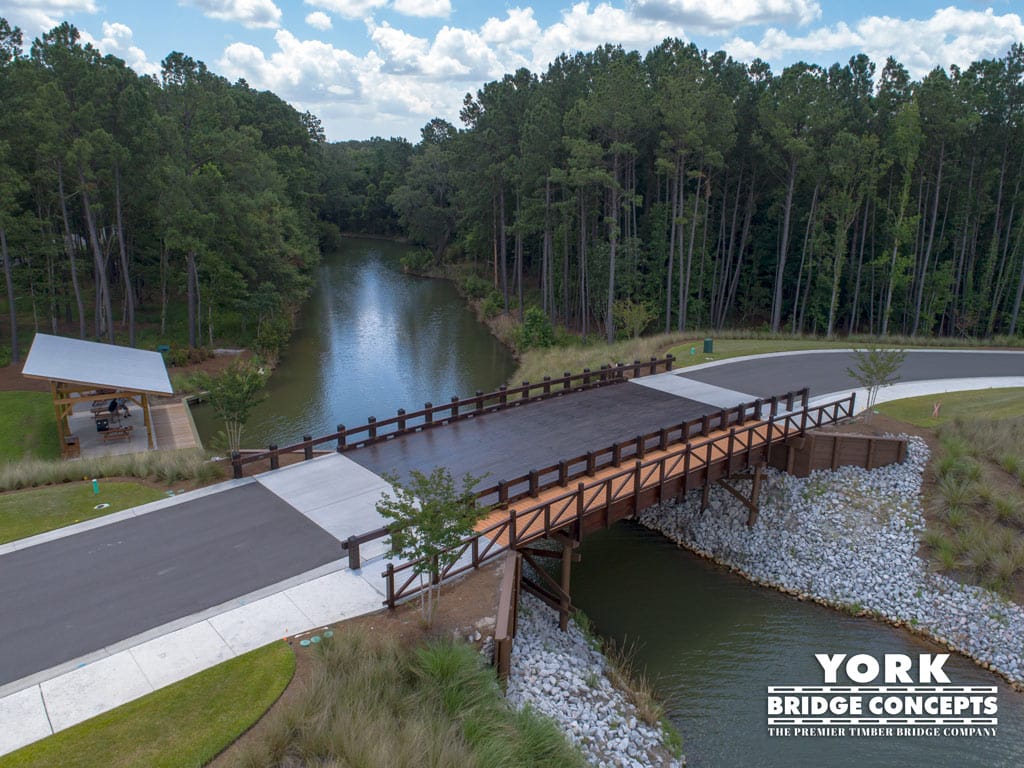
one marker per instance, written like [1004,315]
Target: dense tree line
[707,192]
[124,198]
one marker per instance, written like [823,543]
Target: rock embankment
[562,675]
[850,539]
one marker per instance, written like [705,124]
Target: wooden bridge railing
[534,482]
[637,486]
[431,415]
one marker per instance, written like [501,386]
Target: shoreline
[968,620]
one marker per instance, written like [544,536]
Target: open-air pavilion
[101,392]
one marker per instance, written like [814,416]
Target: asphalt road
[75,595]
[825,373]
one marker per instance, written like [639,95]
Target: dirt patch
[468,605]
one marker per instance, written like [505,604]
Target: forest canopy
[130,202]
[617,192]
[706,192]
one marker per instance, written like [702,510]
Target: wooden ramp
[173,427]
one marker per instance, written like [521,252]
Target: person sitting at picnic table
[113,406]
[124,408]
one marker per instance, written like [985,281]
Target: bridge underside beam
[553,593]
[751,501]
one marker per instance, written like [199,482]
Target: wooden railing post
[729,453]
[586,378]
[741,414]
[341,438]
[428,416]
[805,395]
[236,465]
[307,449]
[352,545]
[669,360]
[371,432]
[616,454]
[566,381]
[723,419]
[641,446]
[401,420]
[654,365]
[502,493]
[479,401]
[789,401]
[547,385]
[563,472]
[389,583]
[603,376]
[534,483]
[774,405]
[662,439]
[636,369]
[503,395]
[275,461]
[637,479]
[705,425]
[758,407]
[590,463]
[455,407]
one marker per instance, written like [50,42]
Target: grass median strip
[183,725]
[26,513]
[28,428]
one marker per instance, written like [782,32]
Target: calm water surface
[372,340]
[714,643]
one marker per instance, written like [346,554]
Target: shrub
[493,305]
[418,262]
[536,331]
[473,287]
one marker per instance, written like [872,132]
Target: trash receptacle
[102,425]
[709,346]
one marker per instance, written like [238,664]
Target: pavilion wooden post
[146,419]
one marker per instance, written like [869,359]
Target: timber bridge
[567,498]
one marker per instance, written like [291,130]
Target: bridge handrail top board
[808,417]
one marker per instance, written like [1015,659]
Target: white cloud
[349,9]
[424,9]
[117,40]
[728,14]
[400,51]
[581,29]
[319,20]
[950,36]
[300,70]
[249,13]
[519,29]
[43,15]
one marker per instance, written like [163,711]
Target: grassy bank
[28,427]
[184,725]
[975,502]
[186,465]
[26,513]
[375,703]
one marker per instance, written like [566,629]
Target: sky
[386,67]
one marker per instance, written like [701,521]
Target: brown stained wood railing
[536,481]
[405,422]
[701,461]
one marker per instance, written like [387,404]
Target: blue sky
[386,67]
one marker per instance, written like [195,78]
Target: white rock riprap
[850,538]
[562,676]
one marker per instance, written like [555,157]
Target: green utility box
[709,346]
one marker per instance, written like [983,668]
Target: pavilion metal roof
[58,358]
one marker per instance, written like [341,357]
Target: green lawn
[186,724]
[28,428]
[26,513]
[990,404]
